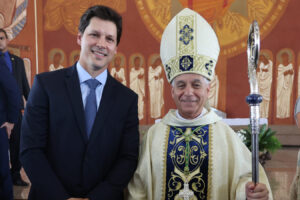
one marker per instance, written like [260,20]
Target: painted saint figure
[156,88]
[264,78]
[214,92]
[118,71]
[285,80]
[57,60]
[137,84]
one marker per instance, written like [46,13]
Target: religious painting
[27,64]
[13,15]
[14,50]
[214,92]
[137,80]
[285,78]
[74,57]
[230,18]
[117,68]
[156,85]
[60,13]
[264,79]
[56,59]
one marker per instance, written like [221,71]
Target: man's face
[190,92]
[3,42]
[98,45]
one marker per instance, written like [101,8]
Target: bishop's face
[190,92]
[98,45]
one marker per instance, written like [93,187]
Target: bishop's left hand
[258,191]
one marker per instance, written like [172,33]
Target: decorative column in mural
[285,80]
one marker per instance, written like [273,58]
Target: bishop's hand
[258,191]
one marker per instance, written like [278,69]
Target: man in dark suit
[80,135]
[16,66]
[9,108]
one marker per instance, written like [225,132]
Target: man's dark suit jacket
[9,111]
[57,156]
[18,70]
[9,97]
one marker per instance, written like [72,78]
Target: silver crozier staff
[254,99]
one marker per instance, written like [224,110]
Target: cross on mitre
[186,193]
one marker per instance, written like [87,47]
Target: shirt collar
[83,75]
[6,54]
[204,110]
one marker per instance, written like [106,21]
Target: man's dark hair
[3,31]
[104,13]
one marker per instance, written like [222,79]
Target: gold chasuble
[194,159]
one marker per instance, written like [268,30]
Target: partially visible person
[295,187]
[191,154]
[9,111]
[16,66]
[80,134]
[297,112]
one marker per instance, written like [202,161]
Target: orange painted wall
[137,38]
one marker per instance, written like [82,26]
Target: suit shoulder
[53,75]
[123,88]
[17,58]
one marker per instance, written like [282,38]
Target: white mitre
[189,45]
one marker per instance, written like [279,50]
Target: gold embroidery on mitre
[186,37]
[202,65]
[187,60]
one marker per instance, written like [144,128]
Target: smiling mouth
[99,53]
[188,101]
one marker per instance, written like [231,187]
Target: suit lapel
[74,91]
[13,64]
[107,101]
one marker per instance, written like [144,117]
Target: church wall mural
[44,34]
